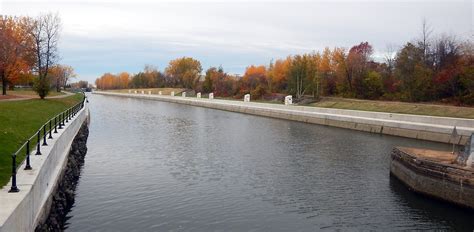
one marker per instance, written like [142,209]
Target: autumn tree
[60,75]
[254,81]
[45,34]
[123,80]
[415,77]
[211,76]
[15,49]
[184,71]
[298,79]
[277,75]
[357,67]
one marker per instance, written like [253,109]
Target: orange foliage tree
[15,49]
[254,81]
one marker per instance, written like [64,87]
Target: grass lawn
[397,107]
[19,120]
[32,93]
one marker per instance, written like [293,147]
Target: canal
[157,166]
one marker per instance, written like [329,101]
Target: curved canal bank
[437,129]
[435,174]
[159,166]
[24,210]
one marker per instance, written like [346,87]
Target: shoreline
[430,128]
[24,210]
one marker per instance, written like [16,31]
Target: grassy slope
[19,120]
[397,107]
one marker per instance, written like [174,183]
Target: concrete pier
[435,174]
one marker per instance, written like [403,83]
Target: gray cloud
[125,35]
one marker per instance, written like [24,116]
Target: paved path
[28,97]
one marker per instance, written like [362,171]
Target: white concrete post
[143,92]
[247,98]
[135,91]
[149,92]
[172,93]
[198,95]
[470,158]
[211,96]
[288,100]
[183,94]
[159,92]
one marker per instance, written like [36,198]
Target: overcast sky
[114,36]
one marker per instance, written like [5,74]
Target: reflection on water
[156,166]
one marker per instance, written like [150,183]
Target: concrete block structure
[198,95]
[434,174]
[247,98]
[172,93]
[211,96]
[289,100]
[183,94]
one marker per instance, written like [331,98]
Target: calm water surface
[156,166]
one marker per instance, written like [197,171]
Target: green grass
[32,93]
[397,107]
[19,120]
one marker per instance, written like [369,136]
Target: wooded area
[431,68]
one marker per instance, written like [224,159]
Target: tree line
[433,68]
[29,54]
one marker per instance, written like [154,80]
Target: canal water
[157,166]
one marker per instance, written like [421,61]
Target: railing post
[38,145]
[59,122]
[14,188]
[56,124]
[66,117]
[44,136]
[28,166]
[50,130]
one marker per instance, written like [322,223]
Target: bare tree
[389,56]
[45,32]
[425,37]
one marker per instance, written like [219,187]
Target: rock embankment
[63,197]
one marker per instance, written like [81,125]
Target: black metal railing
[44,133]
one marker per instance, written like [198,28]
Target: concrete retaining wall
[442,181]
[21,211]
[438,129]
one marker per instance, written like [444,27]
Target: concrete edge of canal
[435,174]
[45,186]
[430,128]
